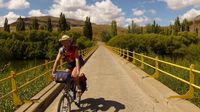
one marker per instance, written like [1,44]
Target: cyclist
[70,54]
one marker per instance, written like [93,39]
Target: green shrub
[105,36]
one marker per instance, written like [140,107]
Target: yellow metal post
[190,93]
[79,52]
[61,64]
[120,51]
[133,57]
[142,62]
[124,53]
[47,75]
[16,100]
[127,54]
[156,73]
[83,52]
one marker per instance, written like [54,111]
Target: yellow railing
[141,58]
[47,65]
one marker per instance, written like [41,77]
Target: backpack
[82,82]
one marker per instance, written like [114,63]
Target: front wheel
[64,104]
[78,99]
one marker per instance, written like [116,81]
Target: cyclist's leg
[76,78]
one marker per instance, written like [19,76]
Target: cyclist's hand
[53,72]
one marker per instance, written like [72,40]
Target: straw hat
[64,37]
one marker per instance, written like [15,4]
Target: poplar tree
[133,27]
[114,28]
[35,24]
[49,25]
[20,24]
[177,26]
[185,25]
[129,29]
[87,29]
[6,25]
[63,25]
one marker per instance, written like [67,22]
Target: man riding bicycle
[70,54]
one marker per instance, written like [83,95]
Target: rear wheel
[64,104]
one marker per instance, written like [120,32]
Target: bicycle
[69,92]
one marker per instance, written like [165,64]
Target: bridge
[116,84]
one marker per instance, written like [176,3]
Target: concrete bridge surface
[115,85]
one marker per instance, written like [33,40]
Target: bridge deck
[114,88]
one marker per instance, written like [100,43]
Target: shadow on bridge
[100,104]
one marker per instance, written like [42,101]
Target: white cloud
[152,11]
[191,14]
[139,20]
[68,6]
[1,4]
[36,13]
[102,12]
[17,4]
[11,16]
[157,19]
[137,12]
[172,22]
[180,4]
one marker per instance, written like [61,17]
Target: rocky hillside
[195,25]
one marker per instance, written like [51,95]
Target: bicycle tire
[78,99]
[64,99]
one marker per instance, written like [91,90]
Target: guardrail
[46,68]
[141,58]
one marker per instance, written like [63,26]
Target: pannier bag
[82,82]
[61,76]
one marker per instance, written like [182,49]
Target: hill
[76,25]
[195,25]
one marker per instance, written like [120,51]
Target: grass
[25,93]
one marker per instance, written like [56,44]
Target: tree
[105,36]
[63,25]
[114,28]
[35,24]
[129,29]
[170,29]
[185,25]
[6,26]
[87,29]
[141,30]
[20,24]
[154,27]
[148,28]
[49,25]
[177,26]
[133,27]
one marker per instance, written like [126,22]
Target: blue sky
[103,11]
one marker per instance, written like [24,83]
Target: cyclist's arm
[56,62]
[77,61]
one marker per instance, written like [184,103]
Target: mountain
[76,25]
[43,21]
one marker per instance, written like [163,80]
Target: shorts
[72,64]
